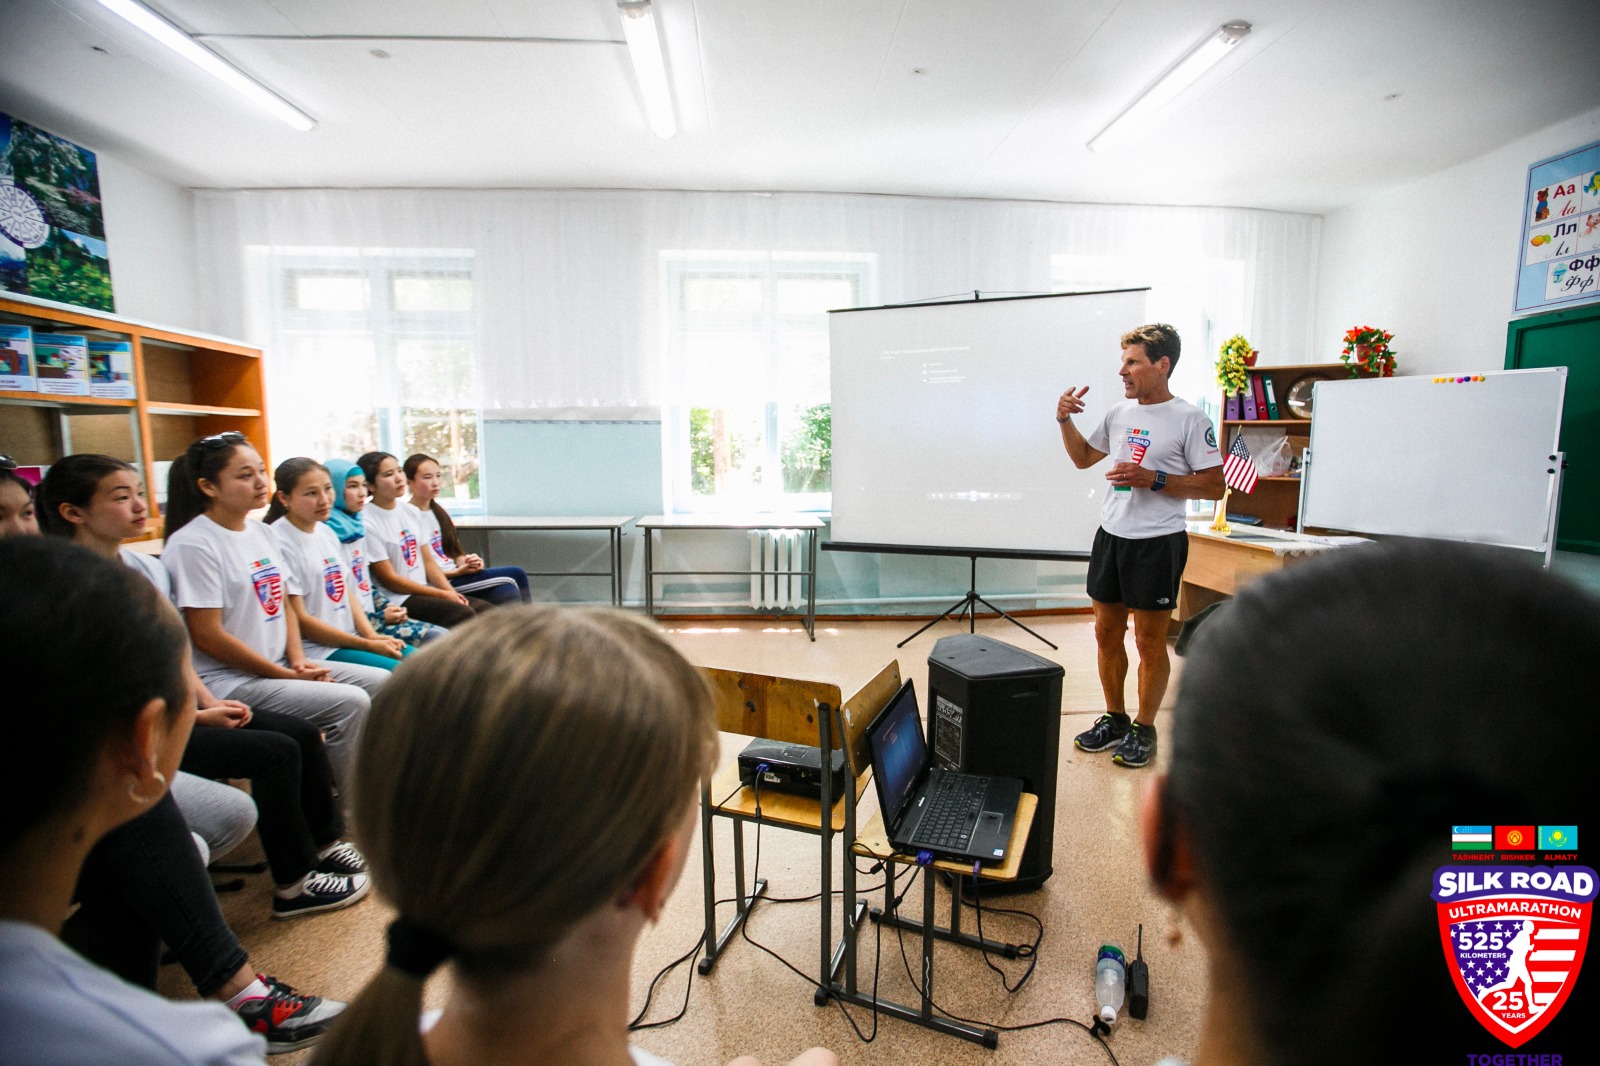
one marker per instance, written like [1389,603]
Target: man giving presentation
[1164,451]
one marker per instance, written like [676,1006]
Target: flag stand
[1219,524]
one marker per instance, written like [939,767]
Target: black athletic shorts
[1143,574]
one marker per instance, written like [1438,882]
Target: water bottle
[1110,977]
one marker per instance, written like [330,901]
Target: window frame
[384,324]
[859,269]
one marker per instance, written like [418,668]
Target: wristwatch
[1161,481]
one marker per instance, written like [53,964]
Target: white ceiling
[1324,103]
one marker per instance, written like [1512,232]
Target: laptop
[957,816]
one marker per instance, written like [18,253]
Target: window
[376,351]
[747,425]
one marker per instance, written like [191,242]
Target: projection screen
[944,431]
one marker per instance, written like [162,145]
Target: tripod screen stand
[968,604]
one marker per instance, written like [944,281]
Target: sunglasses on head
[7,463]
[217,440]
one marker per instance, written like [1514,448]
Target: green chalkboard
[1570,339]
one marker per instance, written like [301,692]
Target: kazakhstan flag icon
[1558,838]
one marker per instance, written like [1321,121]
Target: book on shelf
[16,358]
[1272,397]
[111,370]
[1260,394]
[61,362]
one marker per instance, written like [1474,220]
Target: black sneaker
[321,892]
[342,859]
[1106,732]
[1137,748]
[289,1020]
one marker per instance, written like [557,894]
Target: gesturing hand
[1071,403]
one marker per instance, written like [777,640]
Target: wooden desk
[811,524]
[611,525]
[1221,565]
[873,842]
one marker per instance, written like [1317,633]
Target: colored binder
[1230,411]
[1260,395]
[1251,412]
[1272,397]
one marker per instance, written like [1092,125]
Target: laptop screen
[899,752]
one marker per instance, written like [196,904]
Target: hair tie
[416,951]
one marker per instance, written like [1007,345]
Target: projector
[792,768]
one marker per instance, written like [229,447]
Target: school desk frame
[812,525]
[873,842]
[611,525]
[796,712]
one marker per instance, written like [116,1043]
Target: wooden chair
[791,711]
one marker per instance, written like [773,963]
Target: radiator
[771,552]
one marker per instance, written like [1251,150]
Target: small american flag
[1239,470]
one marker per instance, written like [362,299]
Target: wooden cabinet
[1276,500]
[186,385]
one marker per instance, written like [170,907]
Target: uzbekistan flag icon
[1472,838]
[1514,939]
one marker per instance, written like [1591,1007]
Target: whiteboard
[944,431]
[1461,457]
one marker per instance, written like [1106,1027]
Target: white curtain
[568,284]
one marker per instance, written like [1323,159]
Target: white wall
[1433,261]
[150,234]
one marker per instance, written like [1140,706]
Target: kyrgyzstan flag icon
[1515,838]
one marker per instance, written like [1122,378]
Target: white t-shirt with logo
[319,569]
[395,536]
[354,555]
[431,535]
[242,573]
[1173,437]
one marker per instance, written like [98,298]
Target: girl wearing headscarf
[349,497]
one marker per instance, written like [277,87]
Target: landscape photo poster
[52,231]
[1558,260]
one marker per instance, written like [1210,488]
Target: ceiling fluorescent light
[210,62]
[649,65]
[1182,75]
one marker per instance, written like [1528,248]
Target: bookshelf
[186,385]
[1276,500]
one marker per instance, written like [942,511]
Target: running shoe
[1107,731]
[289,1020]
[1137,748]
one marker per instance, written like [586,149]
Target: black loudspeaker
[995,709]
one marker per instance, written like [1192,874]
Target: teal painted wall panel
[572,468]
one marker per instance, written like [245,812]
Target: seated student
[540,907]
[219,816]
[103,726]
[143,885]
[16,502]
[97,501]
[1406,689]
[349,500]
[465,571]
[231,587]
[333,626]
[395,553]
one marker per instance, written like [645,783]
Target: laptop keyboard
[952,812]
